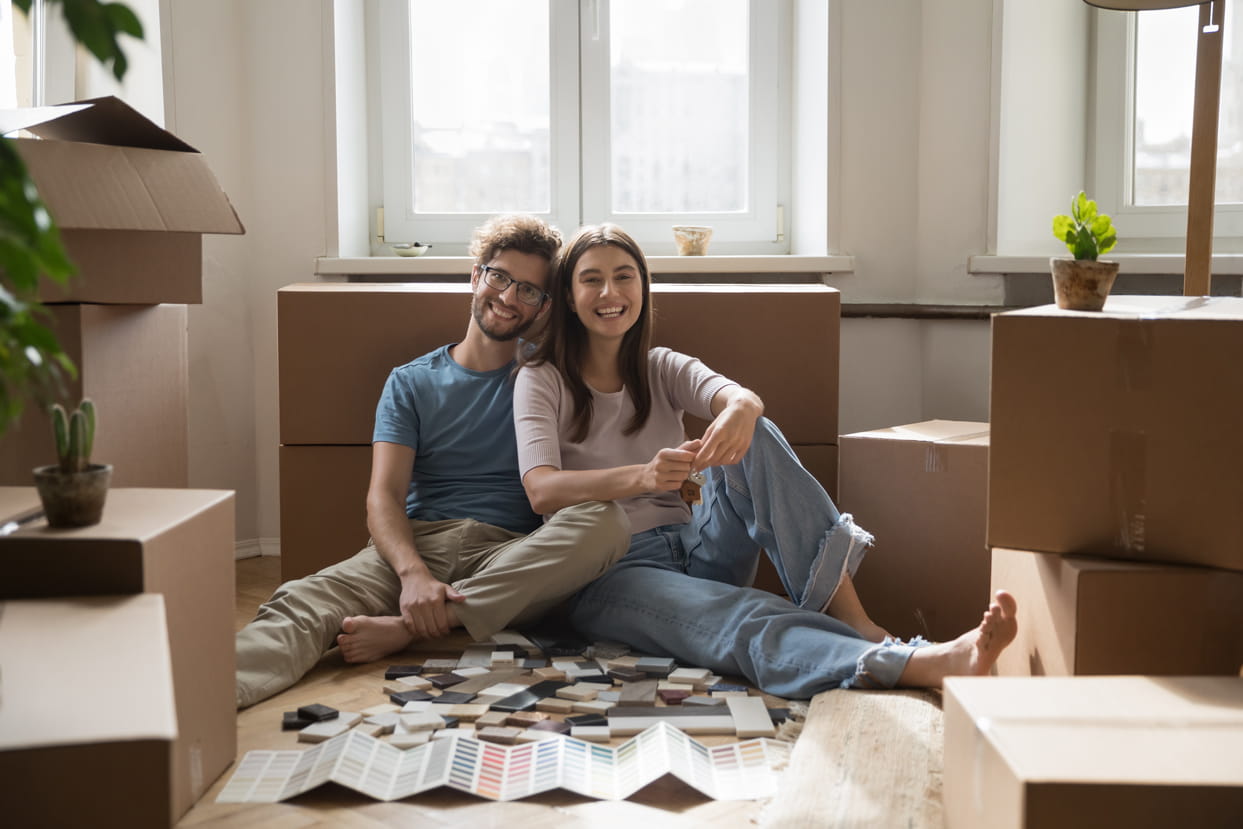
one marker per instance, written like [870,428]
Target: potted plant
[73,490]
[1083,283]
[32,362]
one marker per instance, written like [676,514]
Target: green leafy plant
[1087,233]
[75,436]
[96,26]
[32,363]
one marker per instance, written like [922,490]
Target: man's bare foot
[972,654]
[368,638]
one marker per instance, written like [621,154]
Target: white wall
[248,83]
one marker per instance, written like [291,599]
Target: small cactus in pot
[73,490]
[75,435]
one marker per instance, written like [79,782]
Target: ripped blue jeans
[681,590]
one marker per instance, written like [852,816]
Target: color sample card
[740,771]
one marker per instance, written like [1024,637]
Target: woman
[598,414]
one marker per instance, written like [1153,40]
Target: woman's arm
[551,489]
[728,437]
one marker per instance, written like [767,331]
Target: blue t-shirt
[460,424]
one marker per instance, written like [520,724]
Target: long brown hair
[564,342]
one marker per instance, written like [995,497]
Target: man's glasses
[500,281]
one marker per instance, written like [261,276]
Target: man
[454,542]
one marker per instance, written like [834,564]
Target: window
[647,113]
[1145,72]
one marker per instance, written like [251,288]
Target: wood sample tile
[656,665]
[525,719]
[532,735]
[491,719]
[592,706]
[468,712]
[546,674]
[705,701]
[398,671]
[555,726]
[478,655]
[697,678]
[469,672]
[578,693]
[498,734]
[406,683]
[382,708]
[555,705]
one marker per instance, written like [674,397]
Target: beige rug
[865,759]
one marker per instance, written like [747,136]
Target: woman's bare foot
[972,654]
[368,638]
[845,606]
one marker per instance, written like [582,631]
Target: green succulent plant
[75,435]
[1087,233]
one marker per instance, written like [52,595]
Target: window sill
[1224,264]
[460,265]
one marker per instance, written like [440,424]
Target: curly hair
[520,232]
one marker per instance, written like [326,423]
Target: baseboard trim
[255,547]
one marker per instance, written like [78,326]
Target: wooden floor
[866,759]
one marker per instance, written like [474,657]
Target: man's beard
[502,336]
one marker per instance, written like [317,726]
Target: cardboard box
[178,542]
[922,490]
[133,362]
[1100,616]
[1065,753]
[88,720]
[131,200]
[375,327]
[1117,434]
[324,506]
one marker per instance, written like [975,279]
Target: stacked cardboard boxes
[921,489]
[132,202]
[176,543]
[1115,474]
[342,340]
[1115,436]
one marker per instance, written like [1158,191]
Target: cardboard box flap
[107,167]
[107,120]
[932,431]
[1147,308]
[108,677]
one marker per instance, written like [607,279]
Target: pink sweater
[543,410]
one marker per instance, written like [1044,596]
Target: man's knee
[605,527]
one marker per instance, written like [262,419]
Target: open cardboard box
[87,724]
[131,199]
[922,490]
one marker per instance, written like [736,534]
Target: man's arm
[423,597]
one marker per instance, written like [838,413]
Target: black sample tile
[526,699]
[398,671]
[316,712]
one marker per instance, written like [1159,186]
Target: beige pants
[506,577]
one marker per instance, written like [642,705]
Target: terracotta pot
[73,499]
[1082,284]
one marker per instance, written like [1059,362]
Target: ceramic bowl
[409,248]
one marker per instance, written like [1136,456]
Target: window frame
[1147,228]
[579,138]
